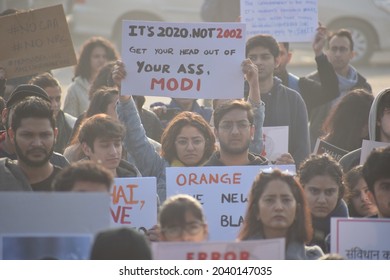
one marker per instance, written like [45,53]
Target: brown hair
[225,108]
[168,148]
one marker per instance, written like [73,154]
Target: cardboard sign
[368,146]
[222,191]
[134,203]
[275,141]
[184,60]
[286,20]
[39,225]
[361,238]
[267,249]
[323,147]
[35,41]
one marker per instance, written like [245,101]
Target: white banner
[184,60]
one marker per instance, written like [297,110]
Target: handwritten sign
[134,203]
[322,147]
[361,238]
[35,41]
[368,146]
[267,249]
[222,191]
[285,20]
[275,141]
[185,60]
[38,218]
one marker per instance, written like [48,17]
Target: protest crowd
[103,134]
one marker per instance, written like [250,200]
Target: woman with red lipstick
[277,208]
[360,202]
[322,179]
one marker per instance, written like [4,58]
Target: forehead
[98,50]
[235,115]
[322,182]
[189,131]
[87,186]
[259,50]
[339,41]
[277,187]
[35,125]
[53,91]
[107,139]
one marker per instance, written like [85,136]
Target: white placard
[134,203]
[222,191]
[266,249]
[36,225]
[285,20]
[275,141]
[361,238]
[184,60]
[368,146]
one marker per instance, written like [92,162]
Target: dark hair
[173,210]
[344,125]
[342,33]
[83,67]
[32,107]
[225,108]
[383,103]
[322,165]
[100,100]
[45,80]
[103,78]
[286,45]
[301,230]
[100,126]
[351,178]
[262,40]
[377,167]
[82,171]
[120,244]
[168,138]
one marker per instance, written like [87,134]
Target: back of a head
[82,171]
[120,244]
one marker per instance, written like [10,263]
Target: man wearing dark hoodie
[101,139]
[378,128]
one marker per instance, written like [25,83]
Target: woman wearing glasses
[188,140]
[181,218]
[277,208]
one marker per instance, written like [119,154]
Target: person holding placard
[376,173]
[340,53]
[181,218]
[322,179]
[360,201]
[378,128]
[33,133]
[187,141]
[313,92]
[95,52]
[285,107]
[277,208]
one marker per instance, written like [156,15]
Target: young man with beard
[21,92]
[33,134]
[234,129]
